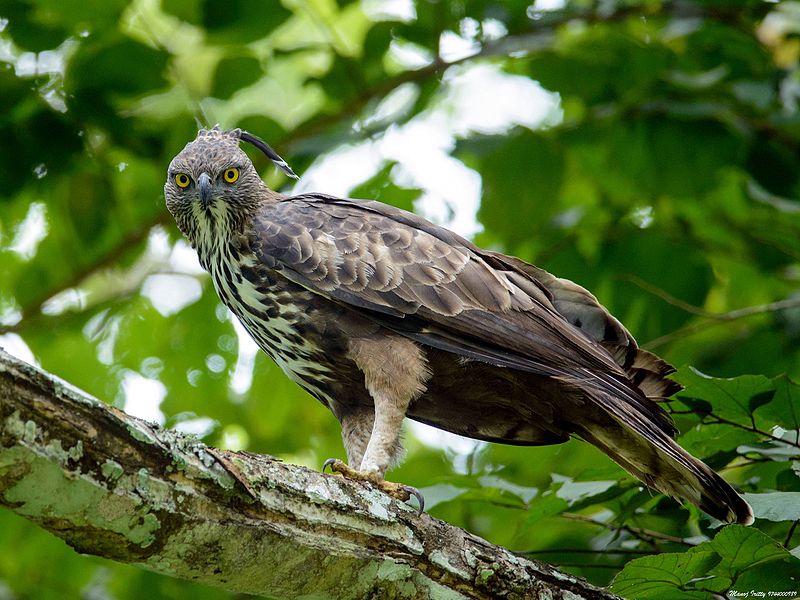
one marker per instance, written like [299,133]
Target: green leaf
[526,494]
[241,21]
[546,505]
[488,488]
[664,576]
[117,65]
[775,506]
[578,491]
[440,493]
[714,566]
[744,548]
[784,409]
[382,188]
[523,178]
[234,73]
[188,10]
[706,440]
[728,398]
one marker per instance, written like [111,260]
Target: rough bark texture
[115,486]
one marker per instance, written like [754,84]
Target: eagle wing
[419,281]
[431,285]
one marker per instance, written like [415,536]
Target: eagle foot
[395,490]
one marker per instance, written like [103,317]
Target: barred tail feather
[652,456]
[649,373]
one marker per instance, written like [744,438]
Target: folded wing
[437,288]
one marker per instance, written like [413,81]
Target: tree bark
[118,487]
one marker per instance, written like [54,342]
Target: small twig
[647,536]
[751,428]
[789,535]
[745,462]
[666,296]
[584,551]
[590,566]
[717,319]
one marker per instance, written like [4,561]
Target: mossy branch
[115,486]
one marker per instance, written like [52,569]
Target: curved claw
[396,490]
[420,498]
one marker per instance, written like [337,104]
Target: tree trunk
[118,487]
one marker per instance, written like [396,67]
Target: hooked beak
[204,185]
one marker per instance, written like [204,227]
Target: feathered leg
[395,371]
[356,431]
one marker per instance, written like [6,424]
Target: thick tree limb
[115,486]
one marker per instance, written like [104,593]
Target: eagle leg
[395,371]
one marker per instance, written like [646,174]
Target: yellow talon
[395,490]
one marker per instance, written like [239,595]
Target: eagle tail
[646,450]
[646,370]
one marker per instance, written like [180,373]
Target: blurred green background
[648,150]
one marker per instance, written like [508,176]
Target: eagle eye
[182,180]
[231,175]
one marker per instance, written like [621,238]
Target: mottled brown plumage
[381,314]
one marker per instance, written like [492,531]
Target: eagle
[381,315]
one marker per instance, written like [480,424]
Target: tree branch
[648,536]
[720,318]
[115,486]
[33,309]
[539,36]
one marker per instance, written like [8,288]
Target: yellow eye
[182,179]
[231,175]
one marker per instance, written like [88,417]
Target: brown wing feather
[438,289]
[310,240]
[576,304]
[582,310]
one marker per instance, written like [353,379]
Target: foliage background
[663,175]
